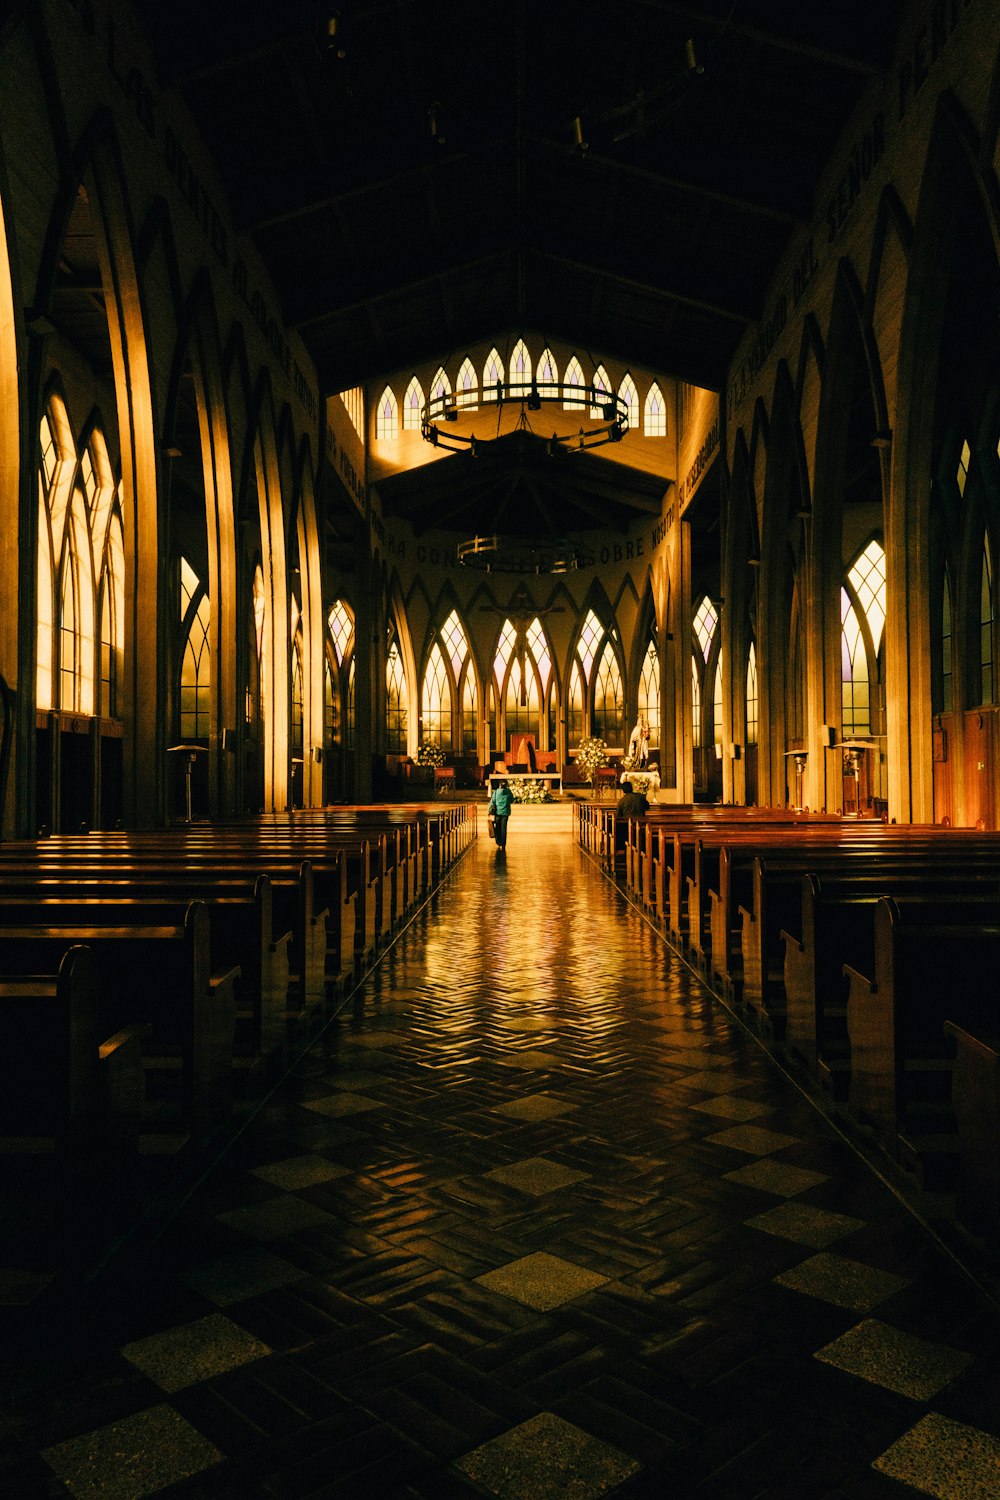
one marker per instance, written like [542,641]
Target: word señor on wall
[136,91]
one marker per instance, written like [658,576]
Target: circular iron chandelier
[520,554]
[439,417]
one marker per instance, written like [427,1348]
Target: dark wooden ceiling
[427,188]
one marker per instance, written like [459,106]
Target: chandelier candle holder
[454,420]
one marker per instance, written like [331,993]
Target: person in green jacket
[500,805]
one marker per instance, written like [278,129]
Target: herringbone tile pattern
[535,1219]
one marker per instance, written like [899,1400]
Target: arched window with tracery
[752,702]
[602,385]
[396,700]
[387,416]
[295,636]
[547,372]
[466,386]
[573,382]
[862,613]
[440,389]
[196,658]
[717,707]
[574,706]
[695,703]
[413,405]
[435,706]
[492,375]
[648,697]
[654,413]
[522,670]
[608,718]
[520,365]
[986,626]
[463,677]
[340,668]
[628,393]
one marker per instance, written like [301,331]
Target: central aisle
[537,1220]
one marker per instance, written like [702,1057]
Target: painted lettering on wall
[940,20]
[702,460]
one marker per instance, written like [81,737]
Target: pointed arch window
[717,706]
[492,375]
[962,472]
[396,701]
[196,659]
[440,388]
[574,706]
[539,647]
[695,703]
[435,707]
[504,651]
[296,680]
[387,416]
[591,635]
[573,382]
[986,625]
[331,706]
[453,636]
[352,717]
[752,696]
[467,386]
[867,578]
[649,692]
[341,625]
[547,372]
[609,698]
[602,383]
[705,621]
[413,406]
[520,365]
[112,610]
[854,671]
[654,413]
[630,396]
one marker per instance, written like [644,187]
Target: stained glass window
[413,405]
[520,365]
[717,704]
[574,706]
[341,625]
[867,578]
[387,416]
[752,700]
[572,381]
[492,375]
[466,386]
[436,701]
[630,396]
[854,671]
[705,621]
[649,692]
[396,702]
[962,473]
[195,609]
[590,639]
[504,651]
[655,413]
[547,373]
[455,642]
[609,699]
[695,703]
[539,648]
[602,382]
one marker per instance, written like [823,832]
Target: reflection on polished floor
[536,1220]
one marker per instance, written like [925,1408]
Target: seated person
[630,804]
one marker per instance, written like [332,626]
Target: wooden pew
[158,978]
[935,961]
[66,1085]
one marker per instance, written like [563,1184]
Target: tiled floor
[537,1221]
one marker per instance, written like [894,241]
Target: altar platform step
[531,818]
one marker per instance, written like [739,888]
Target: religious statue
[638,742]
